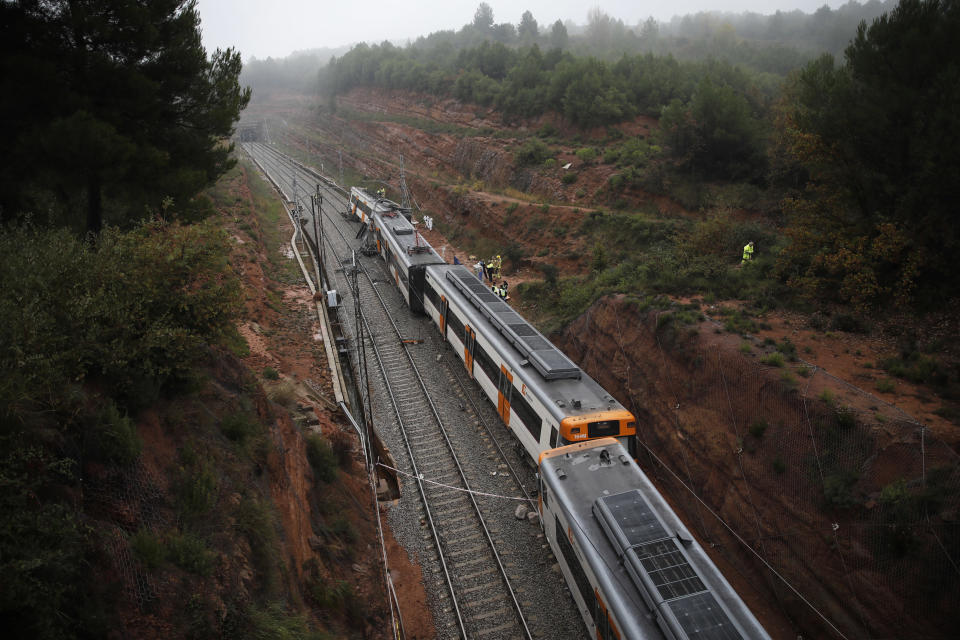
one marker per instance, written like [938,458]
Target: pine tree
[111,107]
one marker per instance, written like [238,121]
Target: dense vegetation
[111,108]
[605,73]
[859,160]
[112,113]
[89,337]
[876,141]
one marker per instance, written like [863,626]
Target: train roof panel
[657,565]
[542,354]
[639,549]
[562,398]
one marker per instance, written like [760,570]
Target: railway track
[482,581]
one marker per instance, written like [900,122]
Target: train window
[603,428]
[527,415]
[456,326]
[602,621]
[431,294]
[488,366]
[554,437]
[579,577]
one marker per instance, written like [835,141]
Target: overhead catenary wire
[422,478]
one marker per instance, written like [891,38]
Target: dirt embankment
[804,488]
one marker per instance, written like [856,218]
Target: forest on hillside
[855,155]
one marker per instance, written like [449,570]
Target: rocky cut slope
[854,510]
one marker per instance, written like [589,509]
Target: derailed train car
[633,569]
[406,253]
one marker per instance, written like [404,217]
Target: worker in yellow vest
[747,253]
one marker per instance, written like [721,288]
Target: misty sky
[277,28]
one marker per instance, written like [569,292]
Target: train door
[444,305]
[470,341]
[503,395]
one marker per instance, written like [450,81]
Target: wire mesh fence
[842,513]
[124,501]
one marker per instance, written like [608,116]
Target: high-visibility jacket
[747,253]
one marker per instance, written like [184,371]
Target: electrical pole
[316,235]
[319,223]
[403,186]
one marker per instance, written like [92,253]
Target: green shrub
[190,553]
[774,359]
[270,373]
[549,163]
[549,272]
[788,349]
[255,520]
[948,413]
[197,491]
[598,261]
[284,393]
[335,596]
[885,385]
[758,428]
[569,177]
[136,313]
[45,551]
[256,622]
[548,130]
[920,368]
[746,347]
[845,417]
[738,322]
[847,322]
[779,466]
[512,207]
[239,427]
[514,255]
[115,437]
[827,397]
[322,458]
[343,529]
[838,489]
[586,155]
[532,152]
[148,548]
